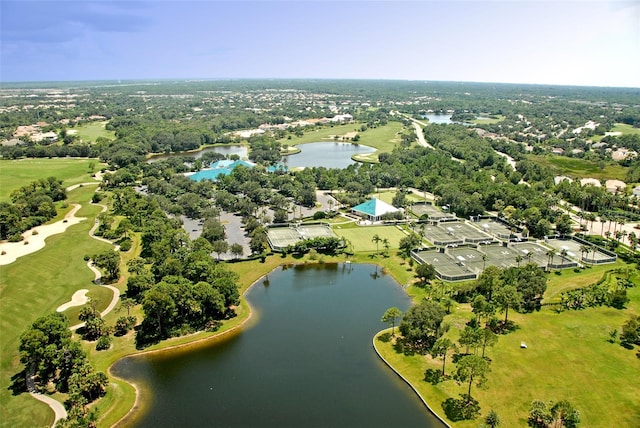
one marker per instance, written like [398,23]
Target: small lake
[306,360]
[327,154]
[241,151]
[437,118]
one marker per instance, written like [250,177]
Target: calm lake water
[241,151]
[306,360]
[327,154]
[437,118]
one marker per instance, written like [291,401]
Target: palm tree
[518,260]
[376,239]
[550,255]
[593,249]
[584,249]
[563,255]
[484,261]
[386,245]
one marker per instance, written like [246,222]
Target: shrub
[16,237]
[103,343]
[319,215]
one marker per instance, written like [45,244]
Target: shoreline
[196,342]
[415,390]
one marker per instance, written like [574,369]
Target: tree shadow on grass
[18,383]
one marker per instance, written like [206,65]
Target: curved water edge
[134,413]
[131,414]
[328,154]
[405,379]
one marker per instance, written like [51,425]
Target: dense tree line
[31,205]
[51,357]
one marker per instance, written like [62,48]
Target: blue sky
[548,42]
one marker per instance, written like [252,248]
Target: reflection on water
[328,155]
[306,361]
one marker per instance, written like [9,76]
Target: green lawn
[383,138]
[361,236]
[625,129]
[33,286]
[579,167]
[17,173]
[489,120]
[90,131]
[567,357]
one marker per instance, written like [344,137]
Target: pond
[306,360]
[437,118]
[327,154]
[241,151]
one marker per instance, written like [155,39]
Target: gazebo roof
[375,208]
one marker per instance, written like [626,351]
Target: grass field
[568,357]
[361,237]
[383,138]
[579,168]
[90,131]
[488,120]
[35,285]
[17,173]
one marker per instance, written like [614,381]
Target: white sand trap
[15,250]
[79,298]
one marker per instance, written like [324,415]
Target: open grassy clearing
[488,120]
[17,173]
[90,131]
[361,237]
[625,129]
[579,168]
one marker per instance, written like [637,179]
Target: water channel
[305,360]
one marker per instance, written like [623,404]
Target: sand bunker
[79,298]
[32,243]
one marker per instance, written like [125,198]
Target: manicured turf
[33,286]
[17,173]
[90,131]
[567,357]
[579,168]
[361,237]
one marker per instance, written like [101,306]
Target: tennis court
[467,256]
[454,233]
[441,237]
[500,256]
[467,232]
[434,213]
[447,268]
[538,252]
[494,228]
[315,231]
[573,251]
[281,237]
